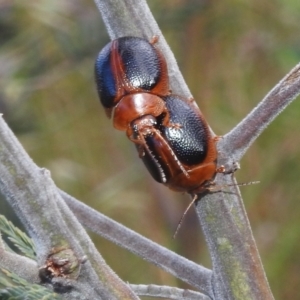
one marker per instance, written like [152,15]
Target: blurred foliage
[231,54]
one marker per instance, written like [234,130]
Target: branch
[180,267]
[236,262]
[240,138]
[167,292]
[52,226]
[237,269]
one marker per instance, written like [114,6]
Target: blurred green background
[231,54]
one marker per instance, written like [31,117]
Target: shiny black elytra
[170,133]
[130,65]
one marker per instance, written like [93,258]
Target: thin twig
[167,292]
[241,137]
[50,223]
[180,267]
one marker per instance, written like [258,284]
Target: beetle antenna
[220,187]
[195,197]
[211,189]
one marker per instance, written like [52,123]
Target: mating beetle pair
[170,134]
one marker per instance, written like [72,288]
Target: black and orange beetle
[171,135]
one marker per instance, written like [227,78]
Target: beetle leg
[144,127]
[165,154]
[141,133]
[155,161]
[138,141]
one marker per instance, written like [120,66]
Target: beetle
[191,147]
[171,135]
[129,65]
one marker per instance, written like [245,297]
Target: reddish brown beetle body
[171,135]
[191,148]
